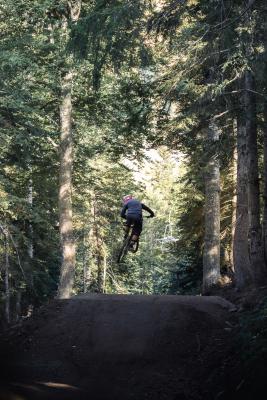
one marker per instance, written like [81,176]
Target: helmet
[127,198]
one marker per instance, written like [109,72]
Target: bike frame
[126,244]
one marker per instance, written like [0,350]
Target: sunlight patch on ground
[58,385]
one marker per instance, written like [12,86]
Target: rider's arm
[146,208]
[123,211]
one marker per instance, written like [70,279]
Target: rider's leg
[126,231]
[137,229]
[133,241]
[127,226]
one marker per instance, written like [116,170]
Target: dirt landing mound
[111,347]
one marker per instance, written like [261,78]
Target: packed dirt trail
[111,347]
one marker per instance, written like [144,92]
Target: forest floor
[119,347]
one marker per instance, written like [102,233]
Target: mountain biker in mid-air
[132,211]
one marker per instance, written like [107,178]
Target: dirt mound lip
[118,346]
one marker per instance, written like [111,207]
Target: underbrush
[252,342]
[246,374]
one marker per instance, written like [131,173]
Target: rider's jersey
[133,209]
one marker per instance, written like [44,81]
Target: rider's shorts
[137,224]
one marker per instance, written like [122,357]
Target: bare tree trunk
[211,254]
[7,288]
[265,184]
[99,251]
[240,244]
[234,199]
[255,231]
[86,275]
[66,163]
[65,191]
[29,255]
[84,265]
[30,202]
[264,222]
[104,273]
[86,262]
[98,247]
[18,305]
[100,271]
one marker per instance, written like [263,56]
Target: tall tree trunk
[264,222]
[65,191]
[104,273]
[30,202]
[98,249]
[29,229]
[86,260]
[255,231]
[18,305]
[66,163]
[86,275]
[265,184]
[240,244]
[211,254]
[234,198]
[7,288]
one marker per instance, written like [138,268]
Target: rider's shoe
[131,246]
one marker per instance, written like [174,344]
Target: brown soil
[112,347]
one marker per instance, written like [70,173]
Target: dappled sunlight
[58,385]
[39,389]
[133,193]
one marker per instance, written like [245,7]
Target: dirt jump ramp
[112,347]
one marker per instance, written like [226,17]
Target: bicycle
[129,244]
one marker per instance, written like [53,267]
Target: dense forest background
[162,99]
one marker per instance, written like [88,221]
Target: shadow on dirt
[110,347]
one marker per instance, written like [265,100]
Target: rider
[132,212]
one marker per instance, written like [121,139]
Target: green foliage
[142,79]
[251,343]
[107,125]
[116,43]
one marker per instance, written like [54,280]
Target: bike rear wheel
[135,246]
[124,249]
